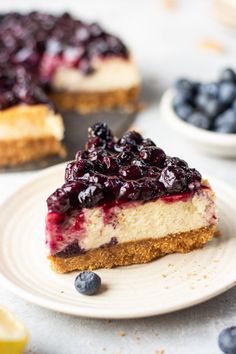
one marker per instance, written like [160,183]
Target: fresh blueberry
[87,283]
[184,111]
[226,122]
[179,100]
[227,340]
[213,107]
[200,120]
[184,85]
[201,100]
[209,89]
[228,75]
[227,92]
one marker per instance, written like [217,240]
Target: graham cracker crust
[89,102]
[13,152]
[134,252]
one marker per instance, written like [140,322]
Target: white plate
[219,144]
[168,284]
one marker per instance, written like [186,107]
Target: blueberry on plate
[228,75]
[225,122]
[87,283]
[227,340]
[200,120]
[184,111]
[227,92]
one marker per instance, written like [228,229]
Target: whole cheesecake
[49,61]
[125,202]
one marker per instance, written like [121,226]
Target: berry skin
[213,107]
[87,283]
[228,75]
[184,86]
[90,196]
[200,120]
[174,179]
[131,172]
[100,130]
[227,340]
[152,155]
[209,89]
[184,111]
[226,122]
[227,92]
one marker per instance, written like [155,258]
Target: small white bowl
[219,144]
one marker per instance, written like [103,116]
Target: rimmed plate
[165,285]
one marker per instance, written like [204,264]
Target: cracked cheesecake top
[112,170]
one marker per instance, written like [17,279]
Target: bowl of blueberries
[204,112]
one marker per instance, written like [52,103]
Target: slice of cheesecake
[125,202]
[30,128]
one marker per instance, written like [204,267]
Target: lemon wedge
[13,334]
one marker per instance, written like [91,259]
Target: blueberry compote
[40,43]
[129,169]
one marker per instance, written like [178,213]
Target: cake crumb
[170,265]
[159,352]
[122,334]
[104,349]
[212,45]
[164,275]
[62,292]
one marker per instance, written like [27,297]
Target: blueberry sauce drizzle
[111,172]
[40,43]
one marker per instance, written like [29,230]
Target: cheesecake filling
[130,221]
[35,121]
[110,74]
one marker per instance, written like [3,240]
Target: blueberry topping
[87,283]
[131,172]
[227,340]
[174,178]
[90,196]
[153,155]
[39,43]
[101,175]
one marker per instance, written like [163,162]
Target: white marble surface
[166,45]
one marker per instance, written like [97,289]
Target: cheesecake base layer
[18,151]
[88,102]
[134,252]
